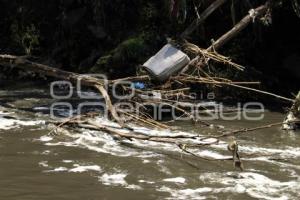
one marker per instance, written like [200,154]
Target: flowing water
[84,164]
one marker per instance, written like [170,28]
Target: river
[86,164]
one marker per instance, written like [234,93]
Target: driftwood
[184,142]
[170,94]
[230,34]
[22,63]
[253,14]
[291,122]
[231,84]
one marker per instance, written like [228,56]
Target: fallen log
[24,64]
[254,13]
[230,34]
[162,139]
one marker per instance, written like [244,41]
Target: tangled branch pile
[174,93]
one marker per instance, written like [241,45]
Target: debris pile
[168,82]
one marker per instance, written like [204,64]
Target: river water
[86,164]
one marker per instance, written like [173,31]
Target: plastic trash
[152,95]
[138,85]
[166,62]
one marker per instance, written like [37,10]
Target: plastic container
[166,62]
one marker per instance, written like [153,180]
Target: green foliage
[117,34]
[123,58]
[103,61]
[27,38]
[129,49]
